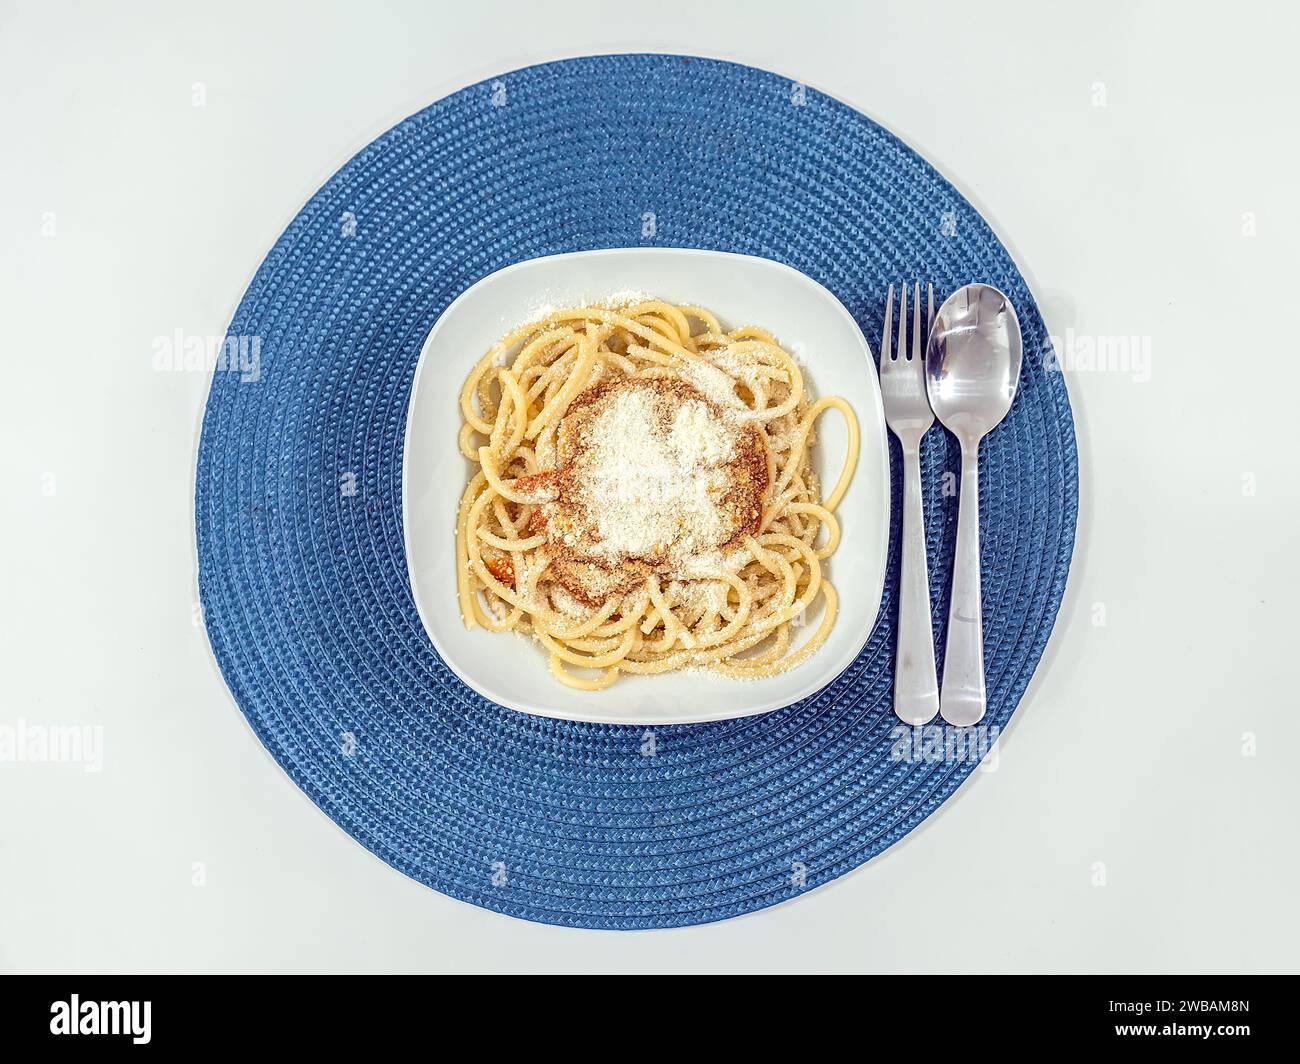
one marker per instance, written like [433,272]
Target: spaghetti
[644,498]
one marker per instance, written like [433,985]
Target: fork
[908,414]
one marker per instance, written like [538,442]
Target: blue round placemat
[302,573]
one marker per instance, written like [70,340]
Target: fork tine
[916,322]
[885,353]
[902,321]
[929,325]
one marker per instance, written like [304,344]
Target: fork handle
[963,698]
[916,689]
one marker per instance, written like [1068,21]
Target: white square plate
[741,290]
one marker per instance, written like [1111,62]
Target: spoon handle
[962,699]
[916,689]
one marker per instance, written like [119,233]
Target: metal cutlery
[908,414]
[972,367]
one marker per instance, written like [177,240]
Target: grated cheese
[651,470]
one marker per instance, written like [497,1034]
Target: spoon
[972,366]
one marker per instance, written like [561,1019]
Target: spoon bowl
[972,362]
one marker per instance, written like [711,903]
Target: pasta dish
[643,496]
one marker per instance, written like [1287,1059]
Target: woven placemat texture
[302,572]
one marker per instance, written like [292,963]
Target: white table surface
[1153,751]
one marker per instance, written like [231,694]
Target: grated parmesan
[656,488]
